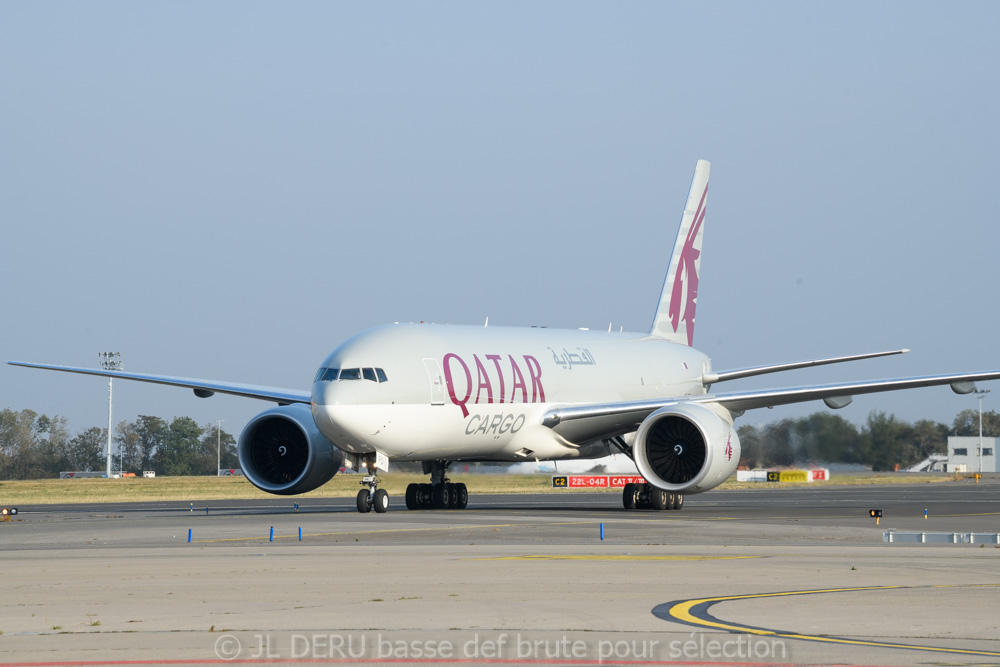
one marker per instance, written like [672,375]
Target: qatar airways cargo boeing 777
[439,394]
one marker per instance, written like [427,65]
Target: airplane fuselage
[419,391]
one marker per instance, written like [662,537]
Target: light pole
[979,395]
[218,446]
[110,361]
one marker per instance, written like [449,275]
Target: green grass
[199,489]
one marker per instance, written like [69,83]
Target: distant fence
[924,537]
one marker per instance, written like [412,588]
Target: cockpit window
[331,374]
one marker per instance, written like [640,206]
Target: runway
[790,576]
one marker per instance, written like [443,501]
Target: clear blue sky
[228,190]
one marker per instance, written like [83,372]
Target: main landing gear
[440,493]
[372,497]
[647,496]
[643,496]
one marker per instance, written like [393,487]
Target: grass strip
[196,489]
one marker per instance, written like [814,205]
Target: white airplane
[440,394]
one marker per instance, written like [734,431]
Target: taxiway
[759,576]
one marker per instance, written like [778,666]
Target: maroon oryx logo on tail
[687,270]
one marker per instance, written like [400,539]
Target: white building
[964,451]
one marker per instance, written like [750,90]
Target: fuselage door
[437,381]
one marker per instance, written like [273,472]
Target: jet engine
[686,448]
[281,451]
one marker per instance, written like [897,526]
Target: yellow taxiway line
[695,612]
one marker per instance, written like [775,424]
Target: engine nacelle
[282,452]
[686,449]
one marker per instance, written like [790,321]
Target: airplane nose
[333,393]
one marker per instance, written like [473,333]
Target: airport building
[963,454]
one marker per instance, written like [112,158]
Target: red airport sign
[595,481]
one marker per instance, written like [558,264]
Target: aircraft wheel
[441,496]
[678,501]
[659,499]
[425,496]
[462,494]
[364,501]
[380,502]
[412,497]
[628,496]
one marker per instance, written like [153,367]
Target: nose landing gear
[372,497]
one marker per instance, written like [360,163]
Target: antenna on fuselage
[487,322]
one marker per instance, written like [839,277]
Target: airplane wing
[713,378]
[202,388]
[584,423]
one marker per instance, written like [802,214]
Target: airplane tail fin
[674,318]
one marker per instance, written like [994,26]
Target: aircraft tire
[628,496]
[462,495]
[678,501]
[441,496]
[659,499]
[380,501]
[364,501]
[412,498]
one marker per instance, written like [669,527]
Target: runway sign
[588,481]
[595,481]
[619,481]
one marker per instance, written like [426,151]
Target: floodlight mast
[110,361]
[979,395]
[218,452]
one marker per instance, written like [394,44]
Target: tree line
[34,446]
[881,443]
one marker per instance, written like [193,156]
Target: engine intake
[686,449]
[675,449]
[282,452]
